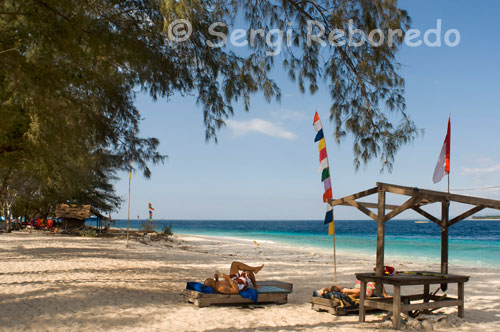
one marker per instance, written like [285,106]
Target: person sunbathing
[354,292]
[235,282]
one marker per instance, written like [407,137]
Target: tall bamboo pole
[448,183]
[129,185]
[334,254]
[128,213]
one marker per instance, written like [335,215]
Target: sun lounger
[270,291]
[340,307]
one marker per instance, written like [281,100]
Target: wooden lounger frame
[332,307]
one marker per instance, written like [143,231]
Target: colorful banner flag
[331,228]
[150,206]
[443,163]
[324,169]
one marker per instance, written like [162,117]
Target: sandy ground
[55,282]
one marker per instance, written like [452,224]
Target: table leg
[396,306]
[461,310]
[362,296]
[426,293]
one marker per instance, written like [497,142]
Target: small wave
[232,238]
[237,238]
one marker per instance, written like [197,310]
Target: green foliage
[66,96]
[70,71]
[88,232]
[167,230]
[364,83]
[147,227]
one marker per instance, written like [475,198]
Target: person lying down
[353,292]
[235,282]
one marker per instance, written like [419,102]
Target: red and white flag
[443,163]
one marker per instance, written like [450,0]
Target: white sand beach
[62,283]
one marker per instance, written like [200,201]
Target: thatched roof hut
[67,211]
[73,216]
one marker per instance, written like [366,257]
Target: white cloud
[481,170]
[484,161]
[286,114]
[242,128]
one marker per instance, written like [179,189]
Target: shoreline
[404,241]
[345,254]
[353,253]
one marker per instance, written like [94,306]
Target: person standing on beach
[235,282]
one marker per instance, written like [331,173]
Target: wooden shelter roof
[418,198]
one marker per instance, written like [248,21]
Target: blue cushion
[199,287]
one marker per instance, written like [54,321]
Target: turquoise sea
[471,242]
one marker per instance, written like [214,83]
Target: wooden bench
[274,292]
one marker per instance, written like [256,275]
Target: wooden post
[444,240]
[362,296]
[379,270]
[396,307]
[460,296]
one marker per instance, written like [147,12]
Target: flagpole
[334,247]
[334,255]
[448,135]
[129,185]
[128,213]
[448,183]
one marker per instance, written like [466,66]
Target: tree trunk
[7,229]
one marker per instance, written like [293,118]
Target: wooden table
[411,279]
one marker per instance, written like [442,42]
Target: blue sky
[265,165]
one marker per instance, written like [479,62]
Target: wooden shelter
[73,216]
[417,199]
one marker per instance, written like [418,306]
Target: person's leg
[236,267]
[232,286]
[210,283]
[251,275]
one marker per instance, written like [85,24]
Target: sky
[265,165]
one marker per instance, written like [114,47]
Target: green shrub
[88,232]
[167,230]
[147,227]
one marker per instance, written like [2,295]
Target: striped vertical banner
[324,169]
[150,206]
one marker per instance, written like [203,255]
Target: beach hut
[74,216]
[417,198]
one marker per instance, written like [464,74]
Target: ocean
[471,242]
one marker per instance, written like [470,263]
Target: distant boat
[422,222]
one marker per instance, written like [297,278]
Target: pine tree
[70,71]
